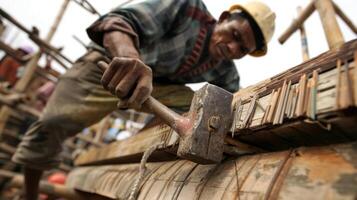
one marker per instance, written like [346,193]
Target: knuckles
[120,92]
[128,66]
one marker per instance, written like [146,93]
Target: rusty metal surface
[210,115]
[314,173]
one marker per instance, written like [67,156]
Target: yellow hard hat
[264,18]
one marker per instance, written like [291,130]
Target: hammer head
[211,115]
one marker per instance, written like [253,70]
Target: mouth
[222,51]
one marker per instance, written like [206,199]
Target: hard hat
[264,18]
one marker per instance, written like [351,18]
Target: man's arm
[126,77]
[121,32]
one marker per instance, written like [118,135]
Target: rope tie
[142,170]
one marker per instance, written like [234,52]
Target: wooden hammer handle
[171,118]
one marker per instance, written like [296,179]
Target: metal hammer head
[211,115]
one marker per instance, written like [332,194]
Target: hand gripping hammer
[203,130]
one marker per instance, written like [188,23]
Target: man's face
[232,39]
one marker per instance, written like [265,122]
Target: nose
[233,48]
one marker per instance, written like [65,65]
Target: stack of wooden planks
[311,104]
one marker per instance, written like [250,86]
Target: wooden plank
[132,148]
[344,17]
[268,108]
[318,173]
[282,114]
[329,23]
[301,98]
[272,110]
[280,105]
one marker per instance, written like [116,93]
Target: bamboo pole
[303,37]
[328,19]
[10,51]
[297,22]
[42,43]
[344,17]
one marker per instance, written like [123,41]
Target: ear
[225,15]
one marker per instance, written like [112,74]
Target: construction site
[134,126]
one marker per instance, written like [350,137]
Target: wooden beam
[32,65]
[42,43]
[344,18]
[275,175]
[131,148]
[10,51]
[303,38]
[329,23]
[296,24]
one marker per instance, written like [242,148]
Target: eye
[237,36]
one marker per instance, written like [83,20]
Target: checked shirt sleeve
[145,21]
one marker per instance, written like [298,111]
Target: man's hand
[129,79]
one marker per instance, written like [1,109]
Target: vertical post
[304,46]
[31,66]
[328,18]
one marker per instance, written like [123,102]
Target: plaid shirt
[172,37]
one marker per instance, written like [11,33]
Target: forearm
[116,35]
[120,44]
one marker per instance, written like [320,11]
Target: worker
[156,46]
[9,66]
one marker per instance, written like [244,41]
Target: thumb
[102,65]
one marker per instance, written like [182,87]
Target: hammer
[203,130]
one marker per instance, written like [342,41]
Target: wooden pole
[304,46]
[344,17]
[31,66]
[42,43]
[10,51]
[297,22]
[328,19]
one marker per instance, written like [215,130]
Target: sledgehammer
[203,130]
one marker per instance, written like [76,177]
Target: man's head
[244,29]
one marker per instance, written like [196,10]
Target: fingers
[123,89]
[114,68]
[102,65]
[129,79]
[118,76]
[141,93]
